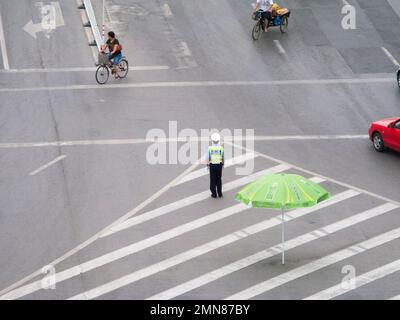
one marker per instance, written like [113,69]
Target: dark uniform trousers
[216,179]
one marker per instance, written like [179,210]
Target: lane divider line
[40,169]
[3,46]
[200,84]
[390,56]
[75,143]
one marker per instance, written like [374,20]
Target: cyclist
[265,6]
[115,54]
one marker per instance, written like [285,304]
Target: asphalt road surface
[78,194]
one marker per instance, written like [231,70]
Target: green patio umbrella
[282,191]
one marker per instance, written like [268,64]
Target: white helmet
[215,137]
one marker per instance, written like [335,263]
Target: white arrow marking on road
[33,28]
[44,26]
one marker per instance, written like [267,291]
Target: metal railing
[92,23]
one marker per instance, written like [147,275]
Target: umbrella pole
[283,236]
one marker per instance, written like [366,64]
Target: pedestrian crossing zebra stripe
[328,260]
[135,220]
[140,245]
[265,254]
[208,247]
[228,163]
[360,281]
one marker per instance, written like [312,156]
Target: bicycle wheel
[123,68]
[284,24]
[256,31]
[102,74]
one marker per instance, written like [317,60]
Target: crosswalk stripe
[327,260]
[228,163]
[360,281]
[134,248]
[262,255]
[190,200]
[130,249]
[207,247]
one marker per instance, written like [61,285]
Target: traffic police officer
[215,163]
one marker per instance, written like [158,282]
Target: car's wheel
[377,141]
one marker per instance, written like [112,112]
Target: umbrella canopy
[282,191]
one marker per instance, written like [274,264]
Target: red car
[385,133]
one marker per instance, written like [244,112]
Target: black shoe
[220,195]
[213,196]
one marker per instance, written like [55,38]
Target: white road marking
[159,193]
[59,16]
[92,239]
[131,249]
[3,46]
[167,10]
[80,69]
[390,56]
[328,260]
[311,173]
[47,165]
[360,281]
[279,47]
[189,201]
[193,84]
[51,19]
[142,141]
[265,254]
[205,248]
[345,2]
[228,163]
[395,298]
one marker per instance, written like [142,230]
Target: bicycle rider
[115,53]
[265,6]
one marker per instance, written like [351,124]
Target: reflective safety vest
[215,154]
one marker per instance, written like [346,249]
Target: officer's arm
[223,157]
